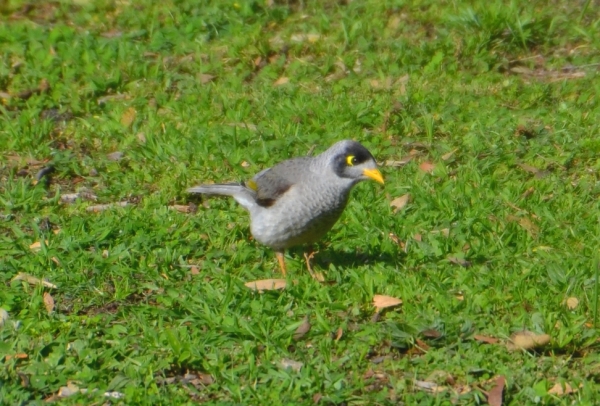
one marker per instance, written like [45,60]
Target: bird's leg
[316,275]
[280,258]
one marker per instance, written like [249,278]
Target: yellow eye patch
[350,160]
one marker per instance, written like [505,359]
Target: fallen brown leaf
[19,355]
[267,284]
[286,363]
[527,193]
[485,339]
[397,240]
[429,386]
[459,261]
[281,81]
[180,208]
[422,345]
[418,237]
[403,161]
[128,117]
[494,396]
[302,329]
[529,168]
[69,390]
[101,207]
[527,340]
[32,280]
[36,246]
[382,301]
[427,167]
[572,303]
[48,302]
[205,78]
[339,334]
[400,202]
[115,156]
[448,155]
[561,390]
[431,333]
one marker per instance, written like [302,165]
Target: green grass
[508,86]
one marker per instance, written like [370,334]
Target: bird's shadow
[324,256]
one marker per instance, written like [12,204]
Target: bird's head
[352,161]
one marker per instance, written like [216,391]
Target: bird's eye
[351,160]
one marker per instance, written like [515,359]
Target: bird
[297,201]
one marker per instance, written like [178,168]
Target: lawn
[119,287]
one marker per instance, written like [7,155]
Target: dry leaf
[141,137]
[443,231]
[101,207]
[115,156]
[305,37]
[527,193]
[527,340]
[561,390]
[529,226]
[427,167]
[128,117]
[494,396]
[267,284]
[194,270]
[180,208]
[69,390]
[572,303]
[48,302]
[418,237]
[429,386]
[403,161]
[459,261]
[291,364]
[302,329]
[281,81]
[382,301]
[205,78]
[36,246]
[3,316]
[19,355]
[397,240]
[529,168]
[448,155]
[485,339]
[32,280]
[339,333]
[431,333]
[400,202]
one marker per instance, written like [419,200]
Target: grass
[501,97]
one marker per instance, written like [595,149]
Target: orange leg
[280,258]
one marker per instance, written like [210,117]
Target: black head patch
[353,155]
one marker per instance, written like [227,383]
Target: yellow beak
[374,174]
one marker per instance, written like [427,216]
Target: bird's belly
[285,225]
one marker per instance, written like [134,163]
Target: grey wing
[273,182]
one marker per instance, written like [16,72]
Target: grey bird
[298,200]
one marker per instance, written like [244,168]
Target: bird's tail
[244,196]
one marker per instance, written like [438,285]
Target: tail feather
[244,196]
[226,189]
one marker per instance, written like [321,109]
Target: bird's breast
[300,216]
